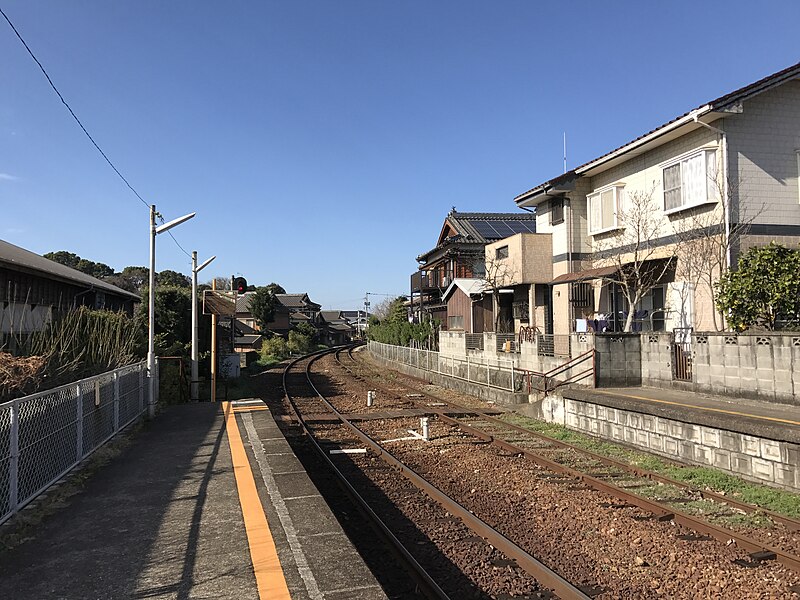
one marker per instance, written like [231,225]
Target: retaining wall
[753,458]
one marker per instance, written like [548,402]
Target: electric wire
[80,124]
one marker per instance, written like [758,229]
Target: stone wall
[753,458]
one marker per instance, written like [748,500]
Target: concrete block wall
[762,366]
[452,343]
[758,459]
[618,359]
[656,357]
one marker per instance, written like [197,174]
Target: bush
[274,349]
[299,343]
[764,291]
[400,333]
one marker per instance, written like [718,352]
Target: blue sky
[322,143]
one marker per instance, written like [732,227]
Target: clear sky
[323,142]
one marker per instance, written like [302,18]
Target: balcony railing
[422,281]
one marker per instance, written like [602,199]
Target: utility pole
[151,313]
[195,270]
[214,348]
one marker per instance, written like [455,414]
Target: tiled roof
[14,256]
[482,228]
[718,104]
[331,315]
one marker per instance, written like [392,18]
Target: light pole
[195,271]
[151,322]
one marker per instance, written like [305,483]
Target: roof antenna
[565,152]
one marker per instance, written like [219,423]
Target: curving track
[740,559]
[464,542]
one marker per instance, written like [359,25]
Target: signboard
[219,302]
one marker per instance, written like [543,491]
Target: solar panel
[485,229]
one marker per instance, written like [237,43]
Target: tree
[169,278]
[173,320]
[72,260]
[262,307]
[275,288]
[132,279]
[708,240]
[308,330]
[764,291]
[639,264]
[498,274]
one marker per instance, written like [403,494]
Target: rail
[543,574]
[45,435]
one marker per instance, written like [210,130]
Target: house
[469,307]
[357,319]
[290,310]
[334,328]
[301,308]
[696,192]
[33,288]
[458,254]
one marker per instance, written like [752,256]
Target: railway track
[576,466]
[522,574]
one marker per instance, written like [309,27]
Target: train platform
[208,500]
[779,422]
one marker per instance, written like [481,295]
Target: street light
[151,322]
[195,271]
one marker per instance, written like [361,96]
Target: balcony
[423,281]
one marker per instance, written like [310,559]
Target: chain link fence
[44,435]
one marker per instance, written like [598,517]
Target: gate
[682,354]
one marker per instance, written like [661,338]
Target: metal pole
[214,349]
[151,357]
[193,385]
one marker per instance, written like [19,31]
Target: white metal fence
[496,373]
[44,435]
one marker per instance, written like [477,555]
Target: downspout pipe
[725,188]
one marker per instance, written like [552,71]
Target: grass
[780,501]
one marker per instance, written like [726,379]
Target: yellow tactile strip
[270,580]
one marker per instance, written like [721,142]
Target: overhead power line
[78,121]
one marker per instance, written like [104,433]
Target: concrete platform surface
[164,519]
[770,420]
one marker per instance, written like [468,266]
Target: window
[556,211]
[690,181]
[501,252]
[603,207]
[521,310]
[455,322]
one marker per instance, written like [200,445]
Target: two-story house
[459,253]
[677,204]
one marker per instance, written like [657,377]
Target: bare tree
[708,243]
[639,264]
[497,274]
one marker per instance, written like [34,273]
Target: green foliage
[275,288]
[400,333]
[173,320]
[169,278]
[764,290]
[299,343]
[95,269]
[133,279]
[262,306]
[274,350]
[308,330]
